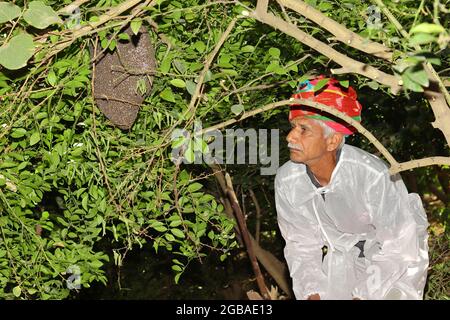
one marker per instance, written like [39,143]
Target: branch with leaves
[395,165]
[341,33]
[348,64]
[437,97]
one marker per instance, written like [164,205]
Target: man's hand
[314,297]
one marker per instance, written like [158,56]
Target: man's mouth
[294,147]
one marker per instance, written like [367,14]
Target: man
[352,231]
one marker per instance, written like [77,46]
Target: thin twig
[245,236]
[207,64]
[340,32]
[348,64]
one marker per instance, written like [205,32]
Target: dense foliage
[69,178]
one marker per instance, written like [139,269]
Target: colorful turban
[333,95]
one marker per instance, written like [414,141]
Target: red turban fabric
[332,95]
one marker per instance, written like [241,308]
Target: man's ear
[334,141]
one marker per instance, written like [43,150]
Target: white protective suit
[361,202]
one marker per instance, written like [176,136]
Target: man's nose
[290,136]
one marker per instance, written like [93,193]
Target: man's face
[307,142]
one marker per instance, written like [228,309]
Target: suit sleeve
[303,250]
[398,267]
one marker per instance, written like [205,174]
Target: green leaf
[45,215]
[190,87]
[15,54]
[178,233]
[165,64]
[272,67]
[208,76]
[293,67]
[104,43]
[177,277]
[189,154]
[420,76]
[40,15]
[84,202]
[124,36]
[32,291]
[179,65]
[410,84]
[274,52]
[421,38]
[167,95]
[178,83]
[344,83]
[96,264]
[426,56]
[176,268]
[200,145]
[175,223]
[237,109]
[112,45]
[169,237]
[230,72]
[199,46]
[325,6]
[247,49]
[373,85]
[35,138]
[179,141]
[18,132]
[427,28]
[160,228]
[8,11]
[320,84]
[135,26]
[51,78]
[194,187]
[17,291]
[224,61]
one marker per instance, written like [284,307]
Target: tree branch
[339,31]
[403,166]
[273,266]
[349,64]
[395,166]
[261,6]
[207,64]
[417,47]
[439,98]
[439,107]
[245,236]
[439,194]
[315,105]
[111,14]
[391,18]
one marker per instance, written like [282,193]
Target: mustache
[294,146]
